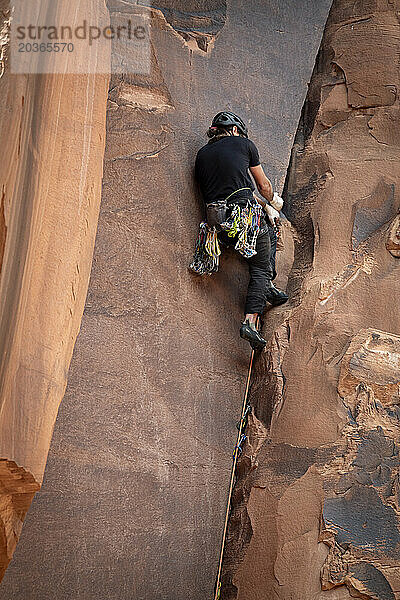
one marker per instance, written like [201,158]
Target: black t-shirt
[222,167]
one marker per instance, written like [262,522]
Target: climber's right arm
[263,184]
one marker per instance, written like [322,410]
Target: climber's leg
[249,332]
[261,274]
[274,241]
[273,295]
[252,319]
[260,279]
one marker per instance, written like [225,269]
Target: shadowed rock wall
[135,490]
[317,505]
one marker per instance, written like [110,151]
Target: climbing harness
[236,192]
[217,212]
[241,438]
[244,222]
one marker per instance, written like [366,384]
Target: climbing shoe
[275,297]
[251,335]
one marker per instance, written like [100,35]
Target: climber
[222,171]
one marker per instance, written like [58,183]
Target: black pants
[261,271]
[274,241]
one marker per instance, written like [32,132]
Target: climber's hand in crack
[277,202]
[273,215]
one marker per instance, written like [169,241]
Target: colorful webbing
[207,251]
[244,222]
[212,245]
[232,226]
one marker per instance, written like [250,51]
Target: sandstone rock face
[317,503]
[16,493]
[52,131]
[360,511]
[135,489]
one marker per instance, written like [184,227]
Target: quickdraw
[212,245]
[244,222]
[239,447]
[243,422]
[207,252]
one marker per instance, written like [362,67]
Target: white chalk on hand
[272,214]
[277,202]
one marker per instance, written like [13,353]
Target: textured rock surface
[360,512]
[17,488]
[133,500]
[52,132]
[393,242]
[317,505]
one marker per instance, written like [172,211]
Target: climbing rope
[241,438]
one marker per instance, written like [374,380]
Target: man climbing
[222,171]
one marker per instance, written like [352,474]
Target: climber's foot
[276,297]
[252,336]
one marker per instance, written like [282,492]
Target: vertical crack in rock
[316,503]
[240,531]
[3,229]
[267,394]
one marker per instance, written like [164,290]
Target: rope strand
[239,441]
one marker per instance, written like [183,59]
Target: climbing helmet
[229,119]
